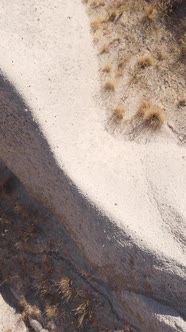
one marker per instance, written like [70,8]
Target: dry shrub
[146,61]
[27,309]
[182,102]
[51,311]
[107,68]
[183,44]
[96,4]
[65,288]
[151,12]
[96,24]
[119,112]
[109,85]
[152,115]
[104,49]
[42,286]
[167,6]
[112,16]
[83,312]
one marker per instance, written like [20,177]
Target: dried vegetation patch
[42,272]
[145,41]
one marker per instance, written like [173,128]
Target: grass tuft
[109,85]
[83,312]
[119,112]
[96,24]
[42,285]
[152,115]
[65,288]
[27,309]
[107,68]
[146,61]
[182,102]
[183,44]
[104,49]
[51,311]
[165,7]
[151,12]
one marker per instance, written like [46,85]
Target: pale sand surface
[9,320]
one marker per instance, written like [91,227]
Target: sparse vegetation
[65,288]
[182,102]
[107,68]
[104,49]
[119,112]
[48,287]
[165,6]
[109,85]
[27,309]
[152,115]
[147,57]
[151,12]
[120,67]
[83,312]
[146,61]
[183,44]
[96,24]
[51,311]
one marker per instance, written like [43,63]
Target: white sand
[47,53]
[9,320]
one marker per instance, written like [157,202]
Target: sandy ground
[139,187]
[9,321]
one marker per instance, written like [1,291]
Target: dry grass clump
[152,115]
[97,22]
[115,13]
[182,102]
[65,288]
[110,85]
[112,16]
[165,6]
[146,61]
[95,25]
[96,4]
[183,44]
[51,311]
[151,12]
[27,309]
[42,285]
[119,112]
[104,49]
[107,68]
[83,312]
